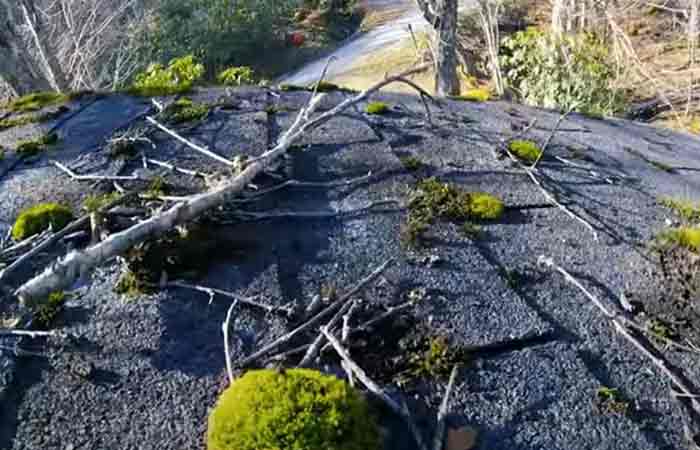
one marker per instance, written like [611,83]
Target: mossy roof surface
[158,353]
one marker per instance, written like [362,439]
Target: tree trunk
[442,15]
[446,81]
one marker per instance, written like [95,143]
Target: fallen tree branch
[65,271]
[442,412]
[55,237]
[251,216]
[620,324]
[374,388]
[33,334]
[174,168]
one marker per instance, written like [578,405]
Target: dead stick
[315,320]
[241,299]
[442,412]
[77,177]
[346,304]
[227,352]
[374,388]
[615,318]
[190,144]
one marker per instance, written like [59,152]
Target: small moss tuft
[411,163]
[131,285]
[471,230]
[292,88]
[292,409]
[525,150]
[377,108]
[157,187]
[45,315]
[185,110]
[686,209]
[36,101]
[39,217]
[686,237]
[36,146]
[94,202]
[324,86]
[436,361]
[474,95]
[609,401]
[123,149]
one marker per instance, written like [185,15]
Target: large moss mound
[297,409]
[38,218]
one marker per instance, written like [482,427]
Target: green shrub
[178,77]
[237,76]
[525,150]
[297,409]
[38,218]
[377,108]
[474,95]
[36,101]
[561,72]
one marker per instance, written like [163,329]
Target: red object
[297,39]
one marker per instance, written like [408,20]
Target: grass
[526,150]
[685,208]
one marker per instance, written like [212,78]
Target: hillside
[142,371]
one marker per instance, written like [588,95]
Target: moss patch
[185,110]
[39,217]
[36,101]
[95,202]
[27,119]
[377,108]
[433,200]
[685,208]
[610,401]
[292,409]
[525,150]
[474,95]
[685,237]
[411,163]
[292,88]
[324,86]
[46,313]
[36,146]
[178,77]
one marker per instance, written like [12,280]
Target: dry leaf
[463,438]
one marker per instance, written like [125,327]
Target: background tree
[442,15]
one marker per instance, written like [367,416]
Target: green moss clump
[686,237]
[185,110]
[609,401]
[432,200]
[36,101]
[324,86]
[411,163]
[436,361]
[292,88]
[525,150]
[377,108]
[131,285]
[686,209]
[26,119]
[95,202]
[474,95]
[46,313]
[177,78]
[157,187]
[294,409]
[36,146]
[38,218]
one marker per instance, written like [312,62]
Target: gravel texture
[155,363]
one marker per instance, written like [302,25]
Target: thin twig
[227,351]
[619,322]
[173,168]
[561,119]
[251,216]
[315,320]
[33,334]
[189,143]
[249,301]
[77,177]
[442,412]
[399,409]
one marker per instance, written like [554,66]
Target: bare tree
[442,15]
